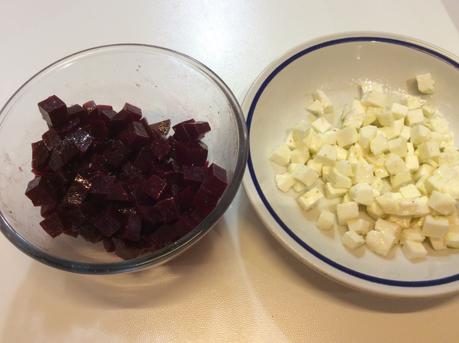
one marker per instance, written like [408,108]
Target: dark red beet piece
[89,106]
[117,192]
[52,225]
[46,210]
[54,111]
[204,201]
[126,250]
[107,223]
[132,112]
[107,114]
[196,174]
[98,129]
[162,127]
[167,210]
[185,198]
[102,185]
[154,186]
[190,153]
[51,139]
[116,153]
[216,181]
[90,233]
[62,154]
[77,192]
[191,131]
[81,139]
[40,192]
[40,155]
[130,172]
[108,245]
[144,158]
[101,108]
[135,135]
[161,148]
[179,131]
[132,228]
[76,111]
[149,214]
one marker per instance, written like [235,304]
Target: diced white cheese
[412,235]
[309,199]
[399,110]
[359,225]
[381,172]
[352,240]
[324,100]
[424,170]
[299,187]
[413,207]
[289,141]
[371,114]
[326,169]
[344,167]
[341,153]
[327,154]
[414,250]
[299,156]
[452,240]
[281,155]
[380,242]
[394,130]
[362,193]
[429,111]
[284,181]
[326,220]
[405,132]
[321,125]
[398,146]
[388,227]
[374,98]
[313,141]
[439,124]
[379,144]
[347,211]
[428,150]
[442,203]
[339,180]
[411,162]
[389,202]
[375,211]
[329,137]
[367,133]
[401,179]
[363,173]
[413,102]
[414,117]
[437,243]
[419,134]
[403,222]
[410,191]
[346,136]
[305,175]
[435,227]
[426,84]
[299,131]
[394,164]
[368,86]
[354,116]
[316,107]
[332,192]
[385,118]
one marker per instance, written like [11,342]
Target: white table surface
[237,284]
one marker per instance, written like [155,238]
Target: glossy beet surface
[112,176]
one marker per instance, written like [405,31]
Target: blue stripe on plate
[332,263]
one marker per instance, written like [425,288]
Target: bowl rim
[274,223]
[174,249]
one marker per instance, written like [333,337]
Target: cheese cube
[399,110]
[339,180]
[346,136]
[424,170]
[316,107]
[329,137]
[284,181]
[353,119]
[429,111]
[299,187]
[394,130]
[352,240]
[362,193]
[381,172]
[414,250]
[313,142]
[413,207]
[435,227]
[281,155]
[414,117]
[412,235]
[379,144]
[344,167]
[341,153]
[411,162]
[414,102]
[327,154]
[320,95]
[403,222]
[452,240]
[410,148]
[401,179]
[371,114]
[299,156]
[385,118]
[428,150]
[410,192]
[375,211]
[359,225]
[321,125]
[305,175]
[363,173]
[437,243]
[394,164]
[347,211]
[332,192]
[419,134]
[309,199]
[398,146]
[326,171]
[439,124]
[368,86]
[405,132]
[367,133]
[289,141]
[426,84]
[442,203]
[299,131]
[380,242]
[389,202]
[326,220]
[374,98]
[314,164]
[388,227]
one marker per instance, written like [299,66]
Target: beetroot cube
[40,192]
[98,129]
[126,250]
[69,126]
[107,223]
[62,155]
[90,233]
[216,182]
[90,106]
[102,185]
[195,173]
[132,112]
[76,111]
[149,214]
[54,111]
[161,148]
[144,159]
[77,192]
[204,201]
[162,127]
[191,131]
[154,186]
[132,228]
[101,108]
[191,153]
[116,153]
[52,225]
[180,133]
[107,114]
[130,172]
[46,210]
[135,135]
[109,245]
[117,192]
[40,155]
[167,210]
[81,139]
[185,198]
[51,139]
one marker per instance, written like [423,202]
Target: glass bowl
[165,84]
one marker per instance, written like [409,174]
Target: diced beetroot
[191,131]
[77,192]
[191,153]
[132,228]
[118,192]
[98,129]
[161,148]
[81,139]
[185,198]
[72,218]
[101,108]
[52,225]
[90,233]
[40,192]
[135,135]
[132,112]
[69,126]
[129,172]
[107,114]
[102,185]
[40,155]
[180,132]
[62,154]
[216,181]
[162,127]
[116,153]
[54,111]
[107,223]
[46,210]
[204,201]
[126,250]
[76,111]
[51,139]
[149,214]
[197,174]
[89,106]
[167,210]
[154,186]
[144,158]
[109,245]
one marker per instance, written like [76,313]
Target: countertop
[237,284]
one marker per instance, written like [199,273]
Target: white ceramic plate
[277,101]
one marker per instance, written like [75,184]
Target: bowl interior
[337,69]
[161,82]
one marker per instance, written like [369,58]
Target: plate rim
[282,232]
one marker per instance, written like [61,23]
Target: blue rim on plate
[279,221]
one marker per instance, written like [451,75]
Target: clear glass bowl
[165,84]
